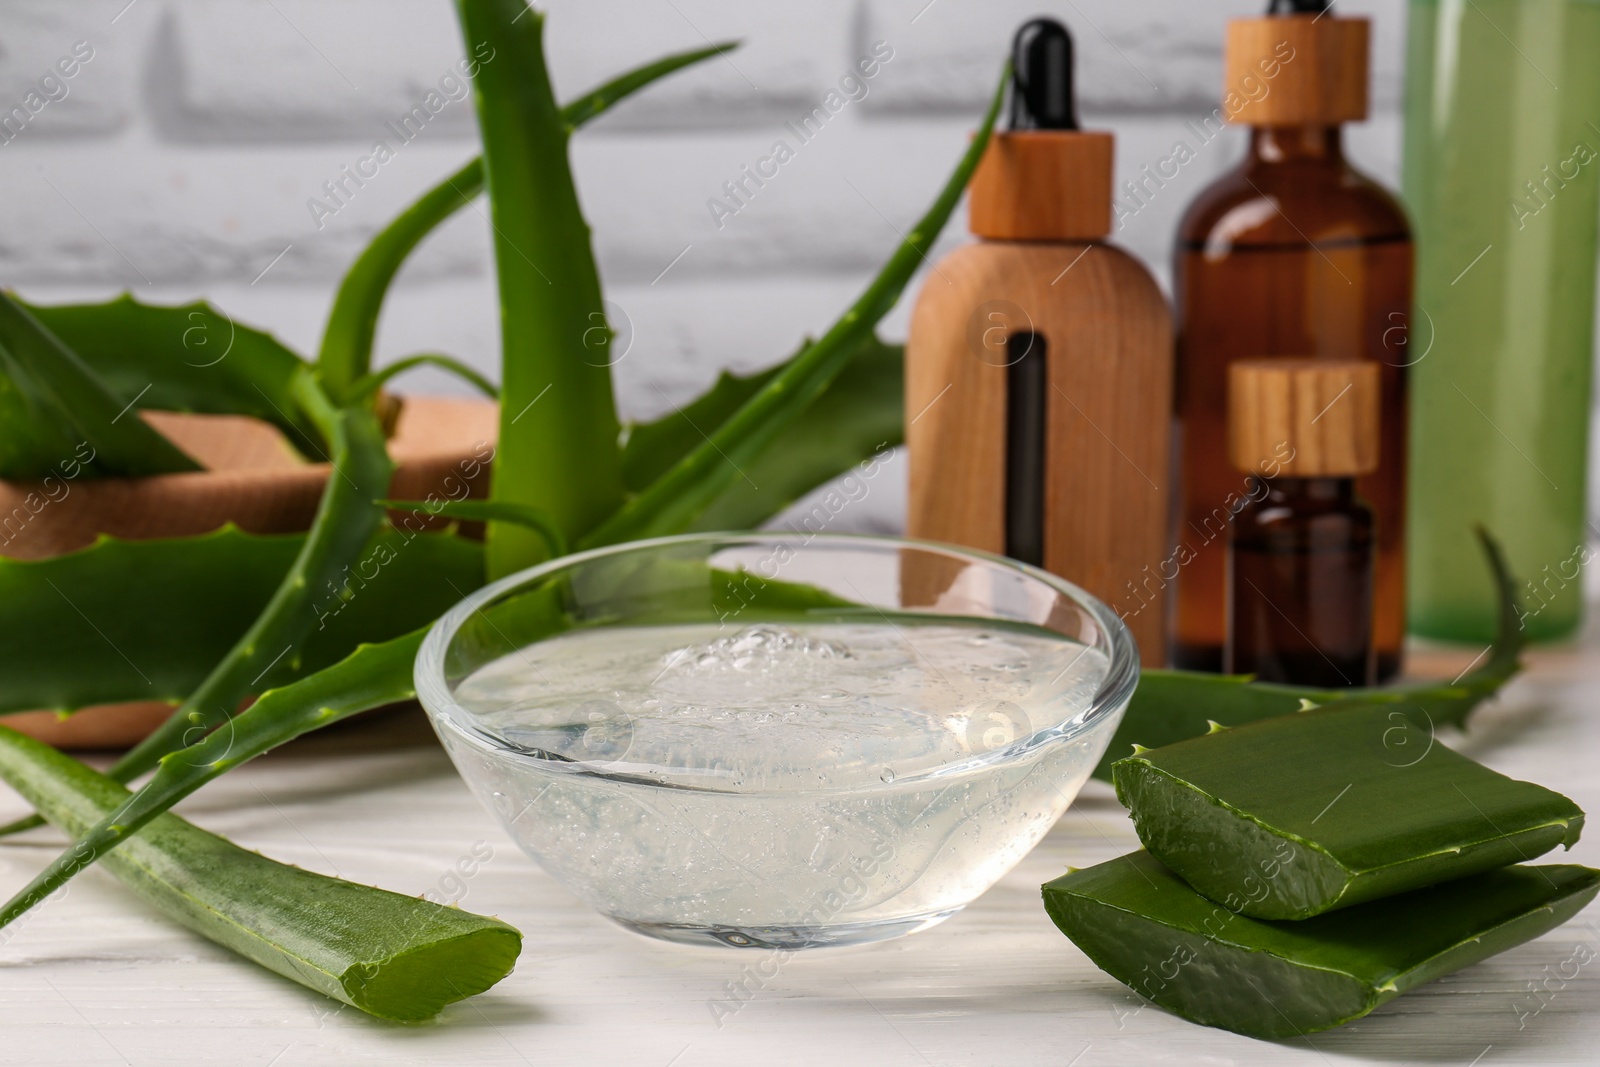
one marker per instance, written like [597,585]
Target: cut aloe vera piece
[1294,816]
[1142,925]
[391,955]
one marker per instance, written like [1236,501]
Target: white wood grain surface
[96,978]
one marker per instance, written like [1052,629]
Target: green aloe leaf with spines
[346,520]
[394,956]
[372,383]
[554,338]
[1293,816]
[1148,929]
[370,677]
[71,641]
[555,543]
[53,403]
[186,357]
[857,418]
[849,428]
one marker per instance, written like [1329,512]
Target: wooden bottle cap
[1296,70]
[1043,185]
[1303,418]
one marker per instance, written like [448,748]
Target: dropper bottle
[1039,364]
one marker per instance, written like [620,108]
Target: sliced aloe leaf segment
[391,955]
[1291,817]
[1145,927]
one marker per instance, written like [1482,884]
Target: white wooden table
[97,978]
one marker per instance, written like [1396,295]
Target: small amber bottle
[1293,253]
[1301,547]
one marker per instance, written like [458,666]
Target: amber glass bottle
[1294,253]
[1300,535]
[1300,550]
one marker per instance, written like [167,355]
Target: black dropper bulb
[1298,7]
[1041,78]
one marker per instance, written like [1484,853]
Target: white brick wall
[180,161]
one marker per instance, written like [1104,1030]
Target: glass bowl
[777,740]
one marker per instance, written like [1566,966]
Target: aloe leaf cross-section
[1145,927]
[1293,816]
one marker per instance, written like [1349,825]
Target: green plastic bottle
[1502,179]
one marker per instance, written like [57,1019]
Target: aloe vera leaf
[393,956]
[188,357]
[1172,706]
[849,427]
[676,499]
[37,444]
[652,448]
[345,356]
[859,416]
[371,383]
[1145,927]
[71,640]
[1294,816]
[490,511]
[562,460]
[370,677]
[346,353]
[346,519]
[61,387]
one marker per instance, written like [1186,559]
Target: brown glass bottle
[1293,253]
[1300,584]
[1300,548]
